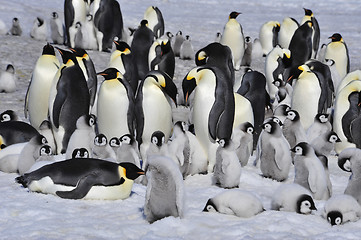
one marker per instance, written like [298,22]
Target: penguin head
[305,204]
[188,38]
[54,15]
[15,21]
[39,21]
[278,82]
[332,137]
[165,82]
[321,117]
[91,119]
[234,15]
[301,149]
[169,35]
[129,170]
[78,25]
[293,115]
[110,74]
[10,69]
[308,12]
[8,115]
[247,127]
[158,138]
[48,50]
[38,140]
[100,140]
[114,142]
[210,206]
[182,126]
[344,158]
[127,139]
[335,218]
[67,56]
[80,153]
[336,37]
[247,39]
[270,127]
[45,150]
[179,33]
[122,46]
[80,52]
[190,81]
[144,23]
[224,142]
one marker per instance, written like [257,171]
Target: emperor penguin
[15,29]
[143,39]
[227,170]
[337,51]
[320,125]
[39,30]
[122,59]
[101,149]
[71,100]
[349,160]
[308,87]
[153,110]
[293,198]
[293,129]
[74,11]
[128,152]
[186,50]
[346,118]
[155,20]
[213,107]
[158,146]
[309,16]
[8,80]
[108,22]
[45,129]
[350,77]
[100,179]
[161,56]
[247,57]
[37,96]
[218,37]
[242,136]
[56,29]
[78,36]
[228,202]
[340,209]
[179,39]
[268,35]
[165,195]
[232,37]
[83,135]
[114,143]
[88,31]
[12,132]
[277,60]
[115,105]
[283,95]
[287,29]
[309,171]
[324,144]
[274,152]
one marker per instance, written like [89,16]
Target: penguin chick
[247,57]
[320,125]
[15,29]
[242,136]
[186,49]
[227,170]
[341,209]
[9,115]
[179,39]
[292,198]
[30,153]
[114,143]
[128,152]
[165,193]
[8,80]
[280,112]
[39,30]
[324,144]
[235,202]
[293,129]
[101,148]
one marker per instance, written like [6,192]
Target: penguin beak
[141,172]
[338,140]
[116,43]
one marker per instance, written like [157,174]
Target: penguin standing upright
[143,38]
[315,31]
[241,138]
[88,31]
[71,100]
[39,30]
[179,39]
[324,143]
[8,79]
[268,35]
[337,51]
[232,37]
[320,125]
[115,105]
[128,152]
[108,22]
[56,28]
[293,129]
[247,57]
[74,11]
[37,95]
[15,29]
[155,20]
[186,50]
[287,29]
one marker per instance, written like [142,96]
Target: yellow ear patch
[161,81]
[122,172]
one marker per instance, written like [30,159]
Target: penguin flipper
[356,131]
[312,178]
[92,80]
[214,117]
[26,107]
[57,106]
[81,189]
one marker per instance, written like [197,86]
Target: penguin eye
[307,203]
[338,221]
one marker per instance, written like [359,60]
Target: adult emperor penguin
[155,20]
[179,39]
[186,50]
[74,11]
[8,80]
[274,152]
[268,35]
[39,30]
[115,105]
[122,60]
[309,16]
[346,121]
[83,179]
[143,39]
[341,209]
[228,202]
[349,160]
[309,171]
[56,29]
[232,37]
[337,50]
[153,109]
[307,87]
[293,198]
[71,100]
[37,96]
[165,194]
[213,107]
[108,22]
[287,29]
[320,125]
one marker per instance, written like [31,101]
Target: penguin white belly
[38,96]
[116,62]
[112,108]
[233,37]
[151,15]
[266,37]
[337,52]
[90,40]
[271,65]
[306,94]
[243,110]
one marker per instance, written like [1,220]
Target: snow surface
[38,216]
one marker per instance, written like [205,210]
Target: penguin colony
[105,135]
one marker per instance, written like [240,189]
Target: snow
[37,216]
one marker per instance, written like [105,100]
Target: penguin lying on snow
[83,178]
